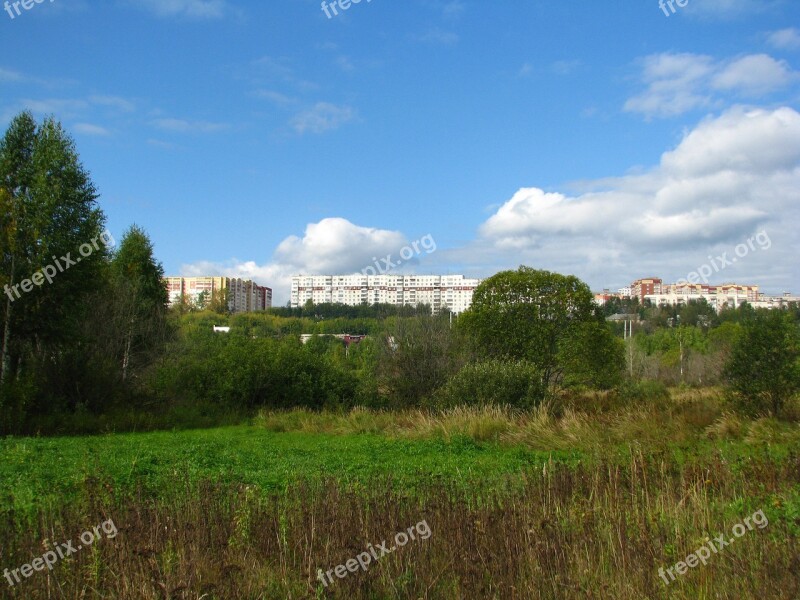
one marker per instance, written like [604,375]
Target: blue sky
[263,139]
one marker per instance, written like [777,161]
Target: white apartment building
[453,292]
[728,295]
[776,301]
[243,295]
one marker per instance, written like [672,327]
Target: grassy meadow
[583,498]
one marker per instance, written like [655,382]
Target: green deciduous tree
[138,281]
[418,355]
[590,355]
[763,367]
[547,319]
[49,212]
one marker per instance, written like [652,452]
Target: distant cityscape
[442,292]
[726,295]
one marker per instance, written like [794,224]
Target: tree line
[96,343]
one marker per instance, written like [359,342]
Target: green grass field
[576,503]
[45,472]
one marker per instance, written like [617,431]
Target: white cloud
[89,129]
[454,8]
[754,143]
[121,104]
[673,83]
[678,83]
[755,75]
[274,97]
[728,177]
[62,108]
[785,39]
[184,126]
[77,108]
[8,76]
[195,9]
[334,246]
[322,117]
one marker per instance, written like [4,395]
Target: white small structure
[222,329]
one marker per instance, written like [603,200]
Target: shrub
[493,383]
[244,373]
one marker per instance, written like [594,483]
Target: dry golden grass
[588,531]
[590,422]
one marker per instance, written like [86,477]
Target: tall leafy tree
[764,365]
[49,212]
[142,296]
[418,355]
[535,315]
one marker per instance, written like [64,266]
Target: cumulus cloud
[678,83]
[728,177]
[332,246]
[756,74]
[731,176]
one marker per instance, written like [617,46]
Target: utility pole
[629,324]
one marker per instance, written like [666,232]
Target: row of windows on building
[451,292]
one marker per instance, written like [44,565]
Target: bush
[244,373]
[493,383]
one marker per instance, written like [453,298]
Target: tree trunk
[127,355]
[4,352]
[131,313]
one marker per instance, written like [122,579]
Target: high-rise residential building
[644,287]
[727,295]
[243,295]
[452,292]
